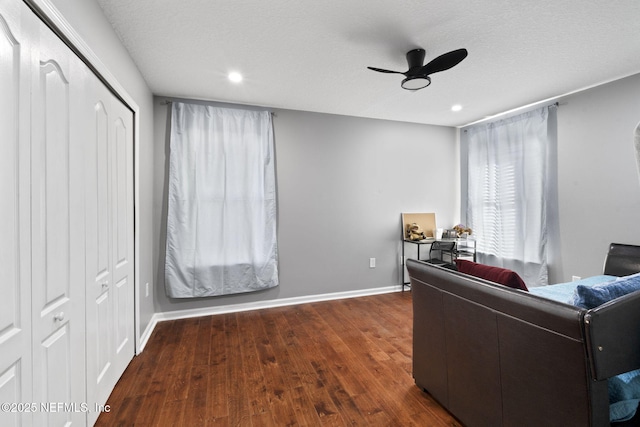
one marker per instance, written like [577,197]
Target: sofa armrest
[613,341]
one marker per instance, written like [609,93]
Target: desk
[464,248]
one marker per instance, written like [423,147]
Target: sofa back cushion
[499,275]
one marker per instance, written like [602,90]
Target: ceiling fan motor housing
[415,59]
[415,78]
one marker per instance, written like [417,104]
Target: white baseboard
[144,338]
[257,305]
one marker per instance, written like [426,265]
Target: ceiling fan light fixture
[416,82]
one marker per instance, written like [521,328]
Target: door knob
[59,317]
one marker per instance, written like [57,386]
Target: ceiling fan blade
[444,62]
[380,70]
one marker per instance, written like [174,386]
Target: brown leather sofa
[495,356]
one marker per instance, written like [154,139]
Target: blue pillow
[624,396]
[594,296]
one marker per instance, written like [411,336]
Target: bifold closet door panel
[109,237]
[57,228]
[122,221]
[15,241]
[99,297]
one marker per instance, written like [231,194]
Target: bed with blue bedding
[591,292]
[565,292]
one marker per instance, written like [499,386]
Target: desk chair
[439,250]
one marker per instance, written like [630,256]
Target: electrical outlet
[574,278]
[372,263]
[146,291]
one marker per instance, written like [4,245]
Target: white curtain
[221,223]
[511,189]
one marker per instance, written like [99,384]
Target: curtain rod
[219,104]
[529,107]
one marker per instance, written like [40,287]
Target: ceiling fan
[417,76]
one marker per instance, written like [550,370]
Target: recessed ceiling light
[456,107]
[235,77]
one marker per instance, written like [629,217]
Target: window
[497,218]
[221,221]
[509,182]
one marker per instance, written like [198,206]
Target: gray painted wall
[342,184]
[87,19]
[598,184]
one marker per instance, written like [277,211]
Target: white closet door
[109,240]
[99,301]
[15,285]
[66,229]
[57,231]
[122,236]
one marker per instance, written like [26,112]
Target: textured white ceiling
[312,55]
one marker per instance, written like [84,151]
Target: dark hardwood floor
[338,363]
